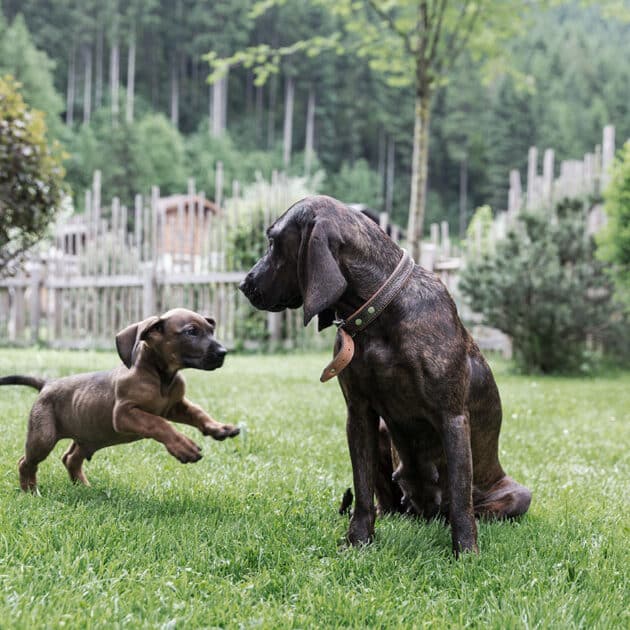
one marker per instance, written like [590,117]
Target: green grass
[250,536]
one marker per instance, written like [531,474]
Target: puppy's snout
[216,356]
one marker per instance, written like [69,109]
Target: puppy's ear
[321,281]
[212,322]
[128,338]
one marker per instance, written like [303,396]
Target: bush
[614,238]
[544,288]
[31,176]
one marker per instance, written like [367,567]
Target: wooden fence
[112,265]
[579,178]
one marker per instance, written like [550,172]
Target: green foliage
[543,287]
[33,69]
[552,84]
[355,183]
[248,244]
[203,151]
[250,535]
[614,238]
[160,154]
[480,227]
[31,175]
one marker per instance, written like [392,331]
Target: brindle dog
[415,366]
[127,403]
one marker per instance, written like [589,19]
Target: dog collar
[365,315]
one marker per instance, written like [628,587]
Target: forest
[124,87]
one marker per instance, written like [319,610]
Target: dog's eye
[193,332]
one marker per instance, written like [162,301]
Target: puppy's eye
[191,332]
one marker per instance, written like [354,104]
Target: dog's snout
[246,284]
[221,351]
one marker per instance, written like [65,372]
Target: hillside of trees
[124,88]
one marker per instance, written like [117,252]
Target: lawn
[250,535]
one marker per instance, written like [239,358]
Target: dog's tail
[346,502]
[17,379]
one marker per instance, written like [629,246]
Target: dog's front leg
[456,439]
[362,431]
[129,419]
[189,413]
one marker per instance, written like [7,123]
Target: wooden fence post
[547,188]
[515,197]
[608,154]
[17,314]
[218,185]
[149,305]
[274,326]
[532,166]
[35,303]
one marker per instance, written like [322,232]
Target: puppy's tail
[346,502]
[30,381]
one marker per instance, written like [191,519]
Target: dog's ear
[212,322]
[128,338]
[321,280]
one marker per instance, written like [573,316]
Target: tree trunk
[71,84]
[219,107]
[389,190]
[419,169]
[98,86]
[249,91]
[310,132]
[224,101]
[174,94]
[131,79]
[210,117]
[259,115]
[271,114]
[114,74]
[289,96]
[382,140]
[87,85]
[463,196]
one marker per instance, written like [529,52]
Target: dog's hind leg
[73,460]
[505,499]
[388,493]
[40,440]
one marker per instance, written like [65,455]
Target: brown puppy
[127,403]
[414,365]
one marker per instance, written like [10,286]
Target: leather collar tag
[341,359]
[366,314]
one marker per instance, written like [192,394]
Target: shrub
[544,288]
[614,238]
[31,176]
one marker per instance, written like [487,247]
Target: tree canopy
[554,83]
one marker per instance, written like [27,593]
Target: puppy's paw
[221,431]
[184,449]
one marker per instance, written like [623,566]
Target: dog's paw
[184,449]
[222,431]
[360,532]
